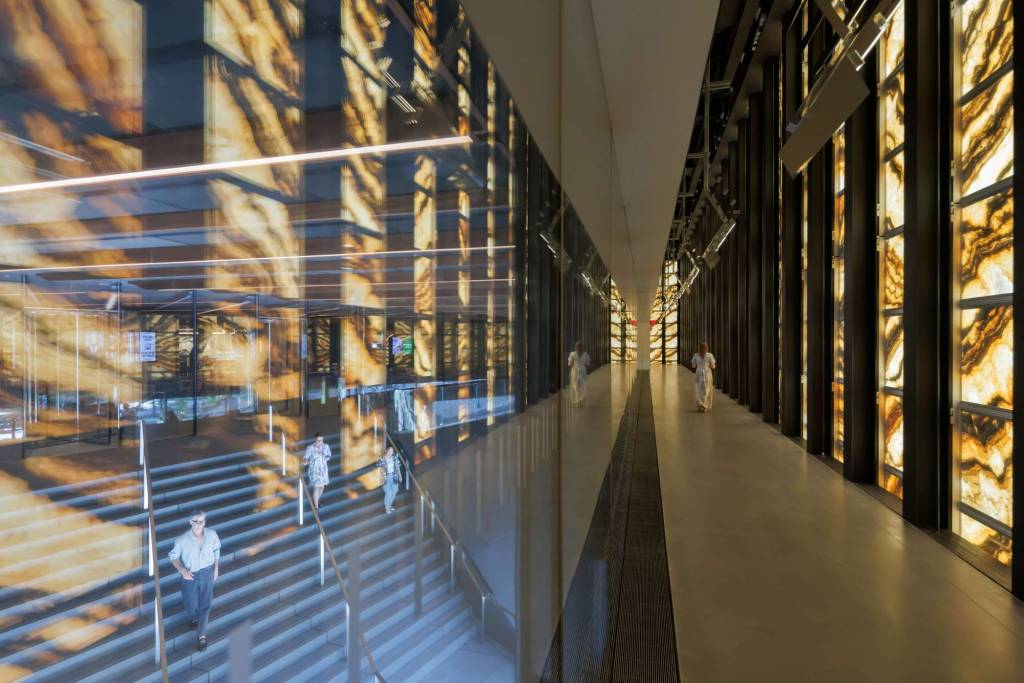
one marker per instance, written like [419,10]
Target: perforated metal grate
[617,624]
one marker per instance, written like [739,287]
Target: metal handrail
[485,591]
[147,482]
[341,581]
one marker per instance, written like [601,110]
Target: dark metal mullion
[861,272]
[986,301]
[771,172]
[894,152]
[790,314]
[986,192]
[989,521]
[754,215]
[926,424]
[988,411]
[743,265]
[989,82]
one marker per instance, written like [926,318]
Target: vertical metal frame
[770,226]
[754,199]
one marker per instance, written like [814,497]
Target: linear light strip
[253,259]
[322,155]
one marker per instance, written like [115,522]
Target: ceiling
[609,90]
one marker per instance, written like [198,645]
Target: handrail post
[270,414]
[483,616]
[321,558]
[142,464]
[451,570]
[301,497]
[283,455]
[159,650]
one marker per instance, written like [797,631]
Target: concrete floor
[783,571]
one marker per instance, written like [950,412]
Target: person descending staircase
[63,617]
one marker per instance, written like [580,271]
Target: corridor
[781,570]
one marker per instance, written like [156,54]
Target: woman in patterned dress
[317,455]
[703,383]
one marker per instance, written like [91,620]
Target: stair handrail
[486,594]
[378,676]
[147,485]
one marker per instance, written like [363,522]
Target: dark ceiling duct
[840,89]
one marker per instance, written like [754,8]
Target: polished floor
[783,571]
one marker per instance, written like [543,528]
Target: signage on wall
[147,346]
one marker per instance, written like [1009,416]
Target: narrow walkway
[617,620]
[783,571]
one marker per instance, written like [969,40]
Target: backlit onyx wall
[866,304]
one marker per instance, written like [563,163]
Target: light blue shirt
[192,554]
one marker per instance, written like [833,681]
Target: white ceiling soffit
[609,90]
[653,54]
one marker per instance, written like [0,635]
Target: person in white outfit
[703,382]
[579,361]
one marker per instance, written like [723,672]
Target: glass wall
[983,275]
[229,226]
[890,236]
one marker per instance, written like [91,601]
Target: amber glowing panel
[893,41]
[893,177]
[81,56]
[986,478]
[892,102]
[262,35]
[986,247]
[892,272]
[986,137]
[424,332]
[838,407]
[245,120]
[986,356]
[986,39]
[892,435]
[893,348]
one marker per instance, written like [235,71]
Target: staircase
[62,618]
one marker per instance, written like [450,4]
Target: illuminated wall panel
[983,260]
[890,234]
[838,290]
[424,240]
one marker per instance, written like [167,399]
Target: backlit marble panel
[840,345]
[262,35]
[988,539]
[986,137]
[893,114]
[986,356]
[245,121]
[893,348]
[986,465]
[986,247]
[986,39]
[839,160]
[83,56]
[892,431]
[893,176]
[838,425]
[893,42]
[839,223]
[892,273]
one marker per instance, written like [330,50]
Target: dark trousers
[197,595]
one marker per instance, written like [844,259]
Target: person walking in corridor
[196,556]
[703,381]
[389,471]
[579,362]
[315,460]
